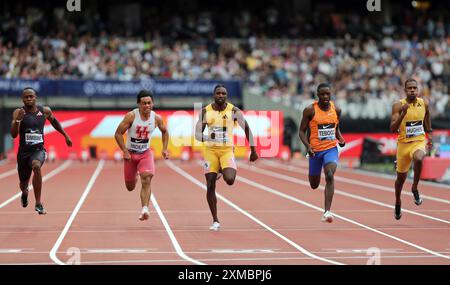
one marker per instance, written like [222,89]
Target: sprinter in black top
[28,122]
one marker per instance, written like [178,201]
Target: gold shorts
[405,153]
[217,158]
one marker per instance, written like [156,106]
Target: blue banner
[113,88]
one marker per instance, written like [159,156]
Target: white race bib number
[219,134]
[414,129]
[32,139]
[138,145]
[327,132]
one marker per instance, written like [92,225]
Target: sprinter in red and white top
[137,155]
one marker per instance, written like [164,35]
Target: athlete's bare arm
[200,127]
[308,114]
[121,129]
[239,117]
[165,135]
[427,124]
[18,115]
[338,129]
[56,124]
[398,114]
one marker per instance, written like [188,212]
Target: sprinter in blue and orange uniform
[322,119]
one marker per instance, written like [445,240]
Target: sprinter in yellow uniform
[411,120]
[220,117]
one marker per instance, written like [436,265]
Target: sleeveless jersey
[31,130]
[323,128]
[411,127]
[139,134]
[220,126]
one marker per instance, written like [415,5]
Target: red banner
[95,129]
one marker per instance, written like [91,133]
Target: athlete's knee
[146,178]
[229,180]
[314,185]
[329,176]
[130,185]
[36,166]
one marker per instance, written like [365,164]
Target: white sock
[145,208]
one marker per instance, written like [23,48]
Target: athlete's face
[29,98]
[411,90]
[220,96]
[146,105]
[324,95]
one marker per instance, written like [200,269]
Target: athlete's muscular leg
[401,177]
[329,170]
[146,191]
[314,181]
[229,175]
[211,194]
[37,180]
[131,184]
[418,157]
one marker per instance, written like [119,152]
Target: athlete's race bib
[326,131]
[138,145]
[414,129]
[218,134]
[33,137]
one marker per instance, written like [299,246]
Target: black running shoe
[417,199]
[24,199]
[398,211]
[40,209]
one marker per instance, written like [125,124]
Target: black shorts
[24,162]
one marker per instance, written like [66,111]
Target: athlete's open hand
[253,156]
[68,141]
[165,154]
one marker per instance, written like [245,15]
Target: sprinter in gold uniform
[220,117]
[411,120]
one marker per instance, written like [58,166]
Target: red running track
[269,216]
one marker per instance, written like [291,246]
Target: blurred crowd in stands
[284,59]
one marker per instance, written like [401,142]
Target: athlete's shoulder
[130,115]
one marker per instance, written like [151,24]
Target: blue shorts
[321,159]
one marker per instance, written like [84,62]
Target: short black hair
[323,85]
[30,88]
[410,80]
[144,93]
[218,86]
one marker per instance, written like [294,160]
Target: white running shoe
[145,214]
[327,217]
[215,227]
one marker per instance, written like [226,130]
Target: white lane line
[172,237]
[291,198]
[44,179]
[337,191]
[8,173]
[377,175]
[88,188]
[351,181]
[295,245]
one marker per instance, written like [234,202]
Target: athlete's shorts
[24,162]
[218,158]
[321,159]
[139,163]
[405,153]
